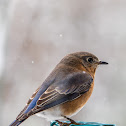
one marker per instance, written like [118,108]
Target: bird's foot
[67,123]
[62,123]
[71,121]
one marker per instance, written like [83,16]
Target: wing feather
[70,87]
[64,89]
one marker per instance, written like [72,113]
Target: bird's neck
[89,70]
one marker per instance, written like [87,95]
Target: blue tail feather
[15,123]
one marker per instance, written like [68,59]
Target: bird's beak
[102,62]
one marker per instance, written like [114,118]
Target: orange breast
[72,107]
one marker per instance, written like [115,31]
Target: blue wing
[56,91]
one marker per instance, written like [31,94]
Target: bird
[65,91]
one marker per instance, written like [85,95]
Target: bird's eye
[90,59]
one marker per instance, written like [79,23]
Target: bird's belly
[70,108]
[53,113]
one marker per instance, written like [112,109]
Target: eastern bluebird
[65,91]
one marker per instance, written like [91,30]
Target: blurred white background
[36,35]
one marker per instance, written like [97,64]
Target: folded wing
[70,87]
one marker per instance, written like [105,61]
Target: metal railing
[54,123]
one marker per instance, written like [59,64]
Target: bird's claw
[67,124]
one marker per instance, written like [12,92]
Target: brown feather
[71,107]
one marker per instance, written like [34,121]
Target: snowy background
[36,35]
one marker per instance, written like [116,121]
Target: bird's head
[84,61]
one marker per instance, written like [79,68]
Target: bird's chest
[72,107]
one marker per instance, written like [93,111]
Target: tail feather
[15,123]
